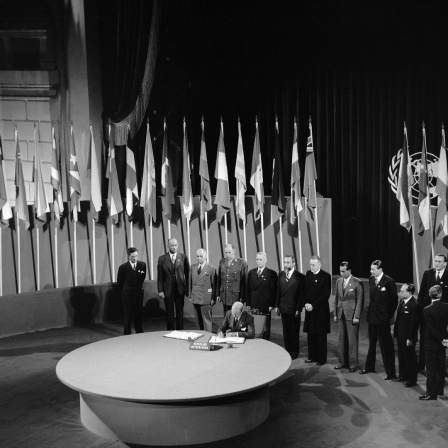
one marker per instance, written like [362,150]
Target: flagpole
[225,225]
[169,227]
[113,248]
[19,267]
[262,229]
[75,245]
[56,253]
[1,264]
[300,242]
[94,251]
[131,231]
[317,224]
[206,234]
[188,238]
[150,239]
[245,238]
[36,196]
[281,237]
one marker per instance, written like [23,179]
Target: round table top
[148,367]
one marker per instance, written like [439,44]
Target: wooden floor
[310,406]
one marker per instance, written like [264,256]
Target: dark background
[358,69]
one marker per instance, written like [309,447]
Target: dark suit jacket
[317,293]
[407,321]
[164,274]
[428,281]
[261,292]
[383,300]
[351,300]
[436,319]
[202,287]
[245,326]
[232,281]
[129,281]
[290,294]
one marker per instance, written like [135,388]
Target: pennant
[148,194]
[296,192]
[21,204]
[278,204]
[95,178]
[167,178]
[131,181]
[404,184]
[222,197]
[75,184]
[309,182]
[58,203]
[187,196]
[256,176]
[240,176]
[40,201]
[206,194]
[441,227]
[5,205]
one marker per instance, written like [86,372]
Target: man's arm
[243,280]
[336,300]
[224,326]
[120,277]
[247,297]
[359,292]
[160,278]
[249,332]
[422,291]
[432,328]
[273,289]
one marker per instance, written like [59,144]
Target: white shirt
[346,280]
[378,279]
[440,273]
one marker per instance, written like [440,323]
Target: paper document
[184,335]
[227,340]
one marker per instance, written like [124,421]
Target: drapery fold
[129,124]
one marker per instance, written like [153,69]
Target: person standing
[232,276]
[173,270]
[289,304]
[262,290]
[406,332]
[436,321]
[348,306]
[438,275]
[130,278]
[382,306]
[317,311]
[202,287]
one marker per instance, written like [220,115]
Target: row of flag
[423,221]
[146,198]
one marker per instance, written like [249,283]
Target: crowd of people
[262,291]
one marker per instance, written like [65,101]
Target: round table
[151,390]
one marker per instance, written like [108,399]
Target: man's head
[201,256]
[289,262]
[376,268]
[172,245]
[345,269]
[435,292]
[440,262]
[229,251]
[132,254]
[315,264]
[237,309]
[261,259]
[407,290]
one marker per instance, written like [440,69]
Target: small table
[151,390]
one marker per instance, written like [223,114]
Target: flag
[296,193]
[148,194]
[222,197]
[424,213]
[309,182]
[5,206]
[40,200]
[75,184]
[21,204]
[278,204]
[95,176]
[404,184]
[256,176]
[206,194]
[187,196]
[441,227]
[167,178]
[58,204]
[240,176]
[131,181]
[114,201]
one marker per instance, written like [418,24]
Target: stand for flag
[19,262]
[112,248]
[225,226]
[152,247]
[316,220]
[206,234]
[1,263]
[75,240]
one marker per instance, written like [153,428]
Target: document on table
[184,335]
[227,340]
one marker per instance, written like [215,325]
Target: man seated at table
[237,323]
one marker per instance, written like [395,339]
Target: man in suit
[435,276]
[173,270]
[436,320]
[232,276]
[317,311]
[289,304]
[383,303]
[237,323]
[406,332]
[261,290]
[202,286]
[348,306]
[130,278]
